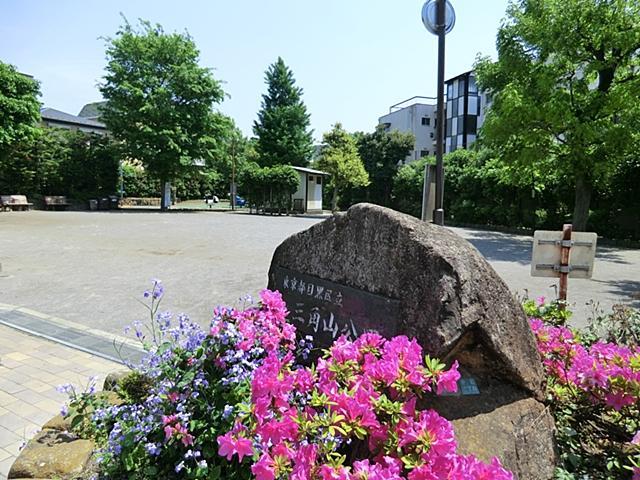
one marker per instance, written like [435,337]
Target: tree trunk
[334,200]
[582,201]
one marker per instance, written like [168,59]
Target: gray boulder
[454,303]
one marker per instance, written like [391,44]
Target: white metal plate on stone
[581,256]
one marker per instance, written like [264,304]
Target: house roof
[53,115]
[310,170]
[91,110]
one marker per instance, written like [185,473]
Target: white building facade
[418,118]
[308,196]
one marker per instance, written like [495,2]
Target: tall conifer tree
[282,127]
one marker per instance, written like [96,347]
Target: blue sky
[353,58]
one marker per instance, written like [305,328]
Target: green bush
[61,162]
[136,181]
[268,188]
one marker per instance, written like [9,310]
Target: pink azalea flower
[229,446]
[448,380]
[264,468]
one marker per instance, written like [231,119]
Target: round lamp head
[430,16]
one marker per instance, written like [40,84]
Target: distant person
[210,200]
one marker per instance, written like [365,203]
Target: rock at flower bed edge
[56,453]
[52,454]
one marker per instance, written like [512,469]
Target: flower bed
[234,402]
[594,392]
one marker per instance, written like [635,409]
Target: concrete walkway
[30,370]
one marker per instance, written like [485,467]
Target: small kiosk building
[308,197]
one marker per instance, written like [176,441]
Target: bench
[55,202]
[14,202]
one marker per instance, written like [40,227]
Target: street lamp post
[439,18]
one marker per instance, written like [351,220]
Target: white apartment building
[418,116]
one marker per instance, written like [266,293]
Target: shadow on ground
[496,246]
[501,247]
[610,254]
[627,290]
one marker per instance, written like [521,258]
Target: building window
[449,91]
[424,153]
[460,125]
[473,86]
[472,125]
[426,121]
[311,178]
[472,105]
[318,180]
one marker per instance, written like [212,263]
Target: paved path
[30,370]
[91,267]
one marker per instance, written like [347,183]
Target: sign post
[563,255]
[565,251]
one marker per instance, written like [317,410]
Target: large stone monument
[372,268]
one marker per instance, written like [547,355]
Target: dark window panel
[472,125]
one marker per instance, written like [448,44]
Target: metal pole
[233,173]
[425,194]
[438,215]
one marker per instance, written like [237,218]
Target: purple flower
[152,449]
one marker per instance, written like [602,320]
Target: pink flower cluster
[353,416]
[263,326]
[608,373]
[173,428]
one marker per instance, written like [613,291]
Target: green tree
[407,187]
[565,91]
[282,127]
[159,100]
[91,168]
[268,188]
[339,157]
[382,152]
[32,165]
[19,106]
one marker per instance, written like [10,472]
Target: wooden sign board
[327,310]
[547,249]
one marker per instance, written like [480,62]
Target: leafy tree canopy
[160,100]
[19,106]
[382,152]
[282,127]
[565,90]
[339,157]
